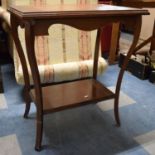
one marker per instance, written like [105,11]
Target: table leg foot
[38,148]
[27,109]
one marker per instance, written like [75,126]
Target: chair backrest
[64,43]
[74,44]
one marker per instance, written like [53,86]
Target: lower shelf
[73,94]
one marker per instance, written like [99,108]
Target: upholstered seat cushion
[64,71]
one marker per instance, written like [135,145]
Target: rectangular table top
[56,11]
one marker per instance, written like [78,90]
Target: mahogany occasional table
[36,21]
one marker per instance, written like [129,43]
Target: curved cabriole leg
[14,32]
[27,99]
[29,37]
[39,135]
[96,53]
[137,28]
[27,109]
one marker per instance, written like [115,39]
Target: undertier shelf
[73,94]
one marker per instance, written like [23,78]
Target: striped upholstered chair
[66,54]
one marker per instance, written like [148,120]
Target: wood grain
[73,94]
[36,21]
[61,11]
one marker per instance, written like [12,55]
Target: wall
[147,24]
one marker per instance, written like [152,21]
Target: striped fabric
[66,54]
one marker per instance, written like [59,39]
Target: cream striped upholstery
[66,54]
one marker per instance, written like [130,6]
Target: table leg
[96,53]
[29,38]
[14,32]
[136,29]
[114,43]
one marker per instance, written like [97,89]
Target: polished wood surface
[136,3]
[61,11]
[114,43]
[36,21]
[73,94]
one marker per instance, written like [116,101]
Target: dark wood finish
[21,55]
[114,43]
[96,54]
[36,21]
[68,11]
[72,94]
[136,3]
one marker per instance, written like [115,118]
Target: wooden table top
[136,3]
[56,11]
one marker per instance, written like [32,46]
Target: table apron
[41,26]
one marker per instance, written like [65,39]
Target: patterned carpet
[87,130]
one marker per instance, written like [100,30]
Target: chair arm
[5,16]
